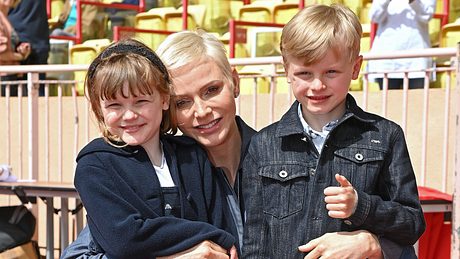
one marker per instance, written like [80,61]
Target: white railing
[53,128]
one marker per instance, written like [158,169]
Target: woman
[204,86]
[11,50]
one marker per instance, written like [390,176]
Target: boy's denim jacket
[284,178]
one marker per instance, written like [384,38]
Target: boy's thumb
[342,180]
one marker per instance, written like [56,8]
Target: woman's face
[205,102]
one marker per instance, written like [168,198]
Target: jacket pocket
[284,188]
[360,165]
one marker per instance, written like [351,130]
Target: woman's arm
[124,225]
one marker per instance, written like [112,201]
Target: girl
[137,183]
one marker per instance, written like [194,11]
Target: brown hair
[127,61]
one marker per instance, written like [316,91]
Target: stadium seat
[85,53]
[218,14]
[56,8]
[450,36]
[283,12]
[154,19]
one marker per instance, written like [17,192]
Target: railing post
[455,247]
[32,89]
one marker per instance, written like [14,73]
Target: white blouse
[401,26]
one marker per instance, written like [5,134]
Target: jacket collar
[290,123]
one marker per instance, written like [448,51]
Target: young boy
[326,140]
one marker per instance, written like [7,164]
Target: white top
[163,173]
[401,26]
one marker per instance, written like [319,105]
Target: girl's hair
[185,47]
[132,62]
[318,29]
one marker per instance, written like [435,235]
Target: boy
[326,140]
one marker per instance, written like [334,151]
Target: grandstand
[44,134]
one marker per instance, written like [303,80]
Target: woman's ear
[236,83]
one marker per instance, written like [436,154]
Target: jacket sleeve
[80,248]
[394,211]
[125,226]
[255,240]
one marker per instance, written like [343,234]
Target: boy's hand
[341,201]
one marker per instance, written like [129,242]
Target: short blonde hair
[182,48]
[317,29]
[127,61]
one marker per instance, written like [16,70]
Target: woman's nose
[201,109]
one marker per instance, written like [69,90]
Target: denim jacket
[284,177]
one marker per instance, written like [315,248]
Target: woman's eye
[182,104]
[212,90]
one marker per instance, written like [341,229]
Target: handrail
[233,31]
[78,38]
[118,29]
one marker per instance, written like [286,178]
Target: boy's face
[205,102]
[135,119]
[322,87]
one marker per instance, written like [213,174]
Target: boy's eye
[331,73]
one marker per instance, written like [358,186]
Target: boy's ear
[357,67]
[236,83]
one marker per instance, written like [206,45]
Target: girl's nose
[129,114]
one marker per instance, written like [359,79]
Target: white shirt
[401,26]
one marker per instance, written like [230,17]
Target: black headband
[129,48]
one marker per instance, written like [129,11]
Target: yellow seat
[154,19]
[283,12]
[56,8]
[85,53]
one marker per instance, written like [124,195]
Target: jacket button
[347,222]
[283,174]
[359,156]
[312,171]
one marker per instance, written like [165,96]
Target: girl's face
[205,102]
[136,120]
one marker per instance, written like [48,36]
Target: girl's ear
[166,99]
[236,83]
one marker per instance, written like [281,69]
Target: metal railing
[44,134]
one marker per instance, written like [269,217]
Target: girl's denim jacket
[284,177]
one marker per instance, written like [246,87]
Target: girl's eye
[111,105]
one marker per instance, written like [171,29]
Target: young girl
[137,183]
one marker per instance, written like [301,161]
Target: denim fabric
[284,178]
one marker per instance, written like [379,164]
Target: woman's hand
[204,250]
[338,245]
[24,49]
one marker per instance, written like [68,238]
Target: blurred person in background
[12,50]
[402,25]
[66,25]
[30,20]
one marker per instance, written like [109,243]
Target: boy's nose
[316,84]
